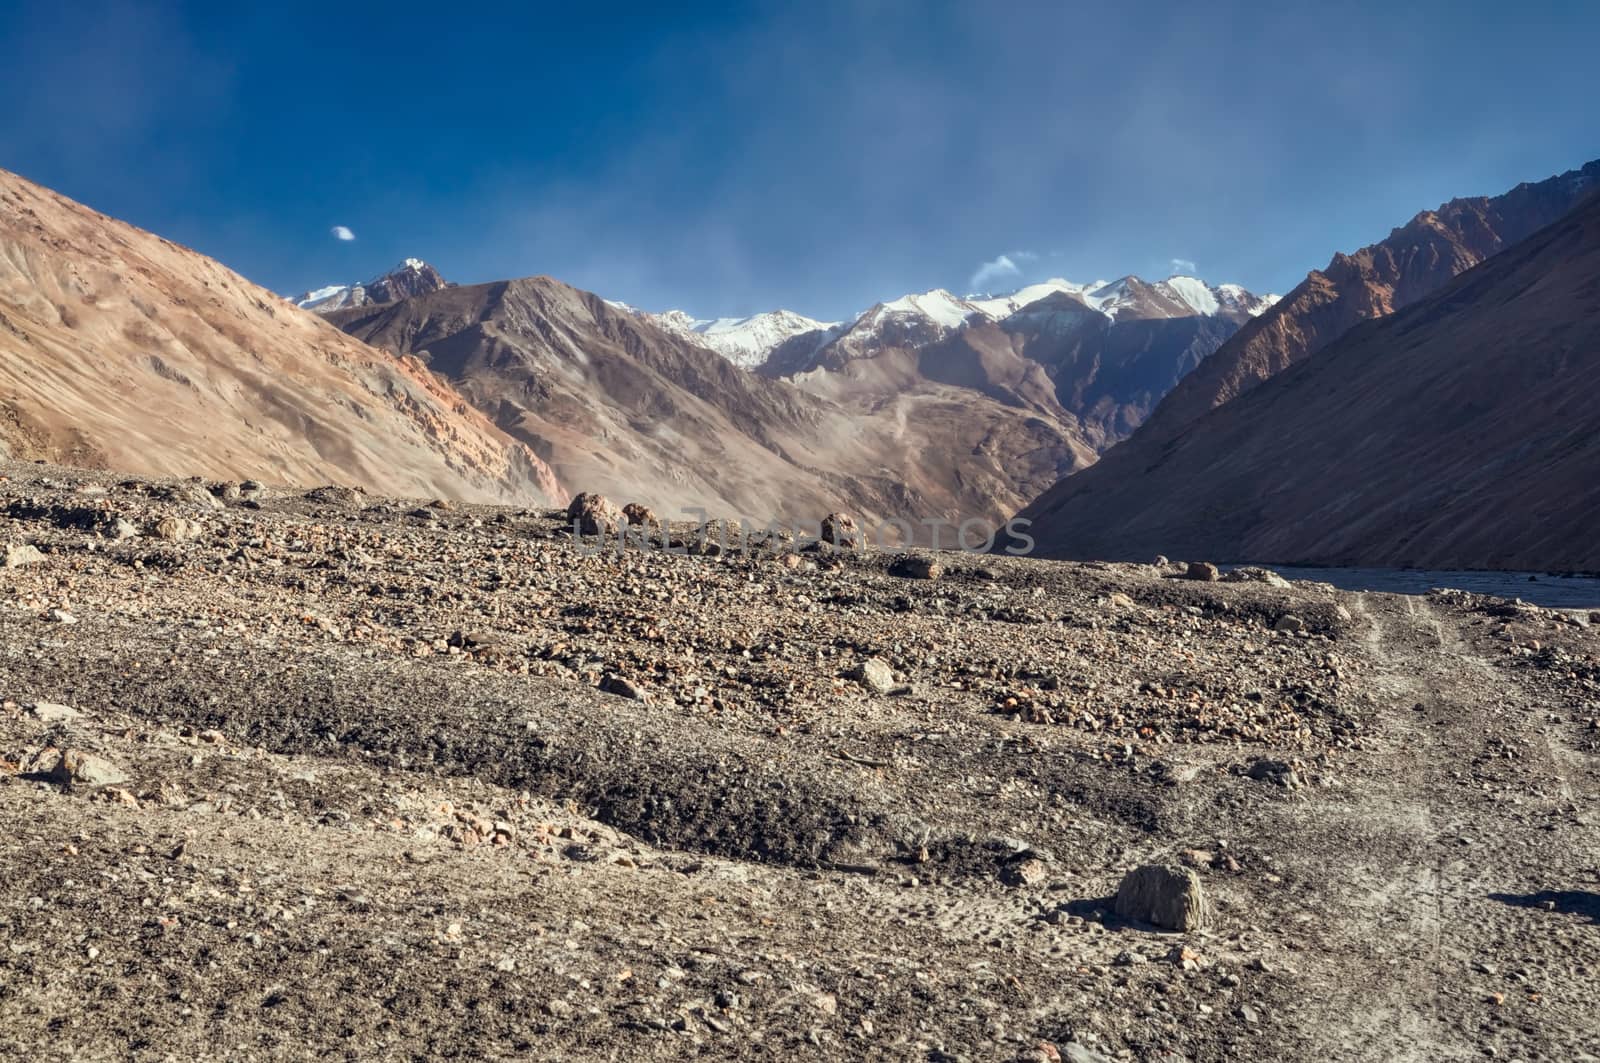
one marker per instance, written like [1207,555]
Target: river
[1552,592]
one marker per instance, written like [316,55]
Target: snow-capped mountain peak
[744,341]
[938,306]
[919,318]
[411,277]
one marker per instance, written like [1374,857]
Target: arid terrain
[289,772]
[122,350]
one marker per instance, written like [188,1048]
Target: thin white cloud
[341,232]
[1184,267]
[994,270]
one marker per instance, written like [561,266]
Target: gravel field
[290,773]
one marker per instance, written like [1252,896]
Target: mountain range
[925,407]
[619,404]
[1121,418]
[1125,508]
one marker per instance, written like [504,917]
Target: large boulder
[1163,896]
[638,514]
[840,530]
[594,514]
[1203,571]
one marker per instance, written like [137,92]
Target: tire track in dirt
[1441,849]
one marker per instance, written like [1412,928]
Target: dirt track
[339,833]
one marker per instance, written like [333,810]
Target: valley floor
[356,777]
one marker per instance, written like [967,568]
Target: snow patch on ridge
[1194,293]
[744,341]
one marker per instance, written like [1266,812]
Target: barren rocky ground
[312,773]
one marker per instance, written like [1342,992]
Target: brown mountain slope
[119,349]
[1414,261]
[616,403]
[1459,432]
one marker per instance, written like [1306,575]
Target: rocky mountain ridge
[1457,432]
[411,277]
[1414,261]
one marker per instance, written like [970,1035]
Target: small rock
[227,491]
[1029,872]
[875,674]
[623,688]
[61,616]
[471,640]
[1168,897]
[24,554]
[1255,574]
[1204,571]
[120,529]
[1120,600]
[911,566]
[1277,772]
[175,529]
[1129,958]
[1289,623]
[1077,1052]
[50,712]
[77,768]
[1161,561]
[336,495]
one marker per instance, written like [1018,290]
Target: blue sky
[732,158]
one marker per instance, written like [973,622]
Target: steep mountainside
[119,349]
[1415,261]
[1459,432]
[616,403]
[409,278]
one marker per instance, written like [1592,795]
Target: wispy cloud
[995,269]
[1184,266]
[341,232]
